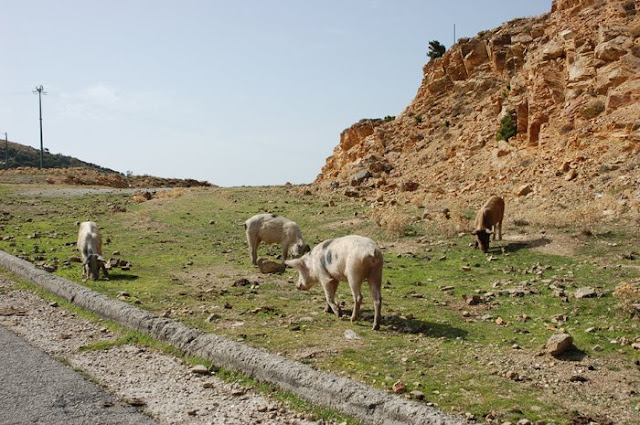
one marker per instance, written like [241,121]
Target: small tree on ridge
[435,49]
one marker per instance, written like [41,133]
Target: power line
[40,90]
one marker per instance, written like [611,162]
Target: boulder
[559,343]
[586,292]
[523,190]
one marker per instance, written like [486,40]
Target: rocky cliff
[568,80]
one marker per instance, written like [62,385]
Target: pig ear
[475,232]
[489,232]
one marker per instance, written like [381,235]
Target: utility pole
[40,90]
[6,151]
[454,33]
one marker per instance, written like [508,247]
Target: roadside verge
[370,405]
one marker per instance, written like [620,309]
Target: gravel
[165,386]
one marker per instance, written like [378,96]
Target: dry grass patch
[629,295]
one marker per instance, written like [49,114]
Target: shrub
[418,119]
[389,118]
[395,222]
[436,49]
[592,110]
[629,294]
[630,7]
[508,127]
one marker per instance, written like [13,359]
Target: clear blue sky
[249,92]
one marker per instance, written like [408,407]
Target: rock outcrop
[571,81]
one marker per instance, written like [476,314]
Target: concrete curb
[353,398]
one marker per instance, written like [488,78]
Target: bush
[395,222]
[630,7]
[436,49]
[508,127]
[592,110]
[389,118]
[629,295]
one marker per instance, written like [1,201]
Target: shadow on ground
[529,244]
[123,277]
[429,329]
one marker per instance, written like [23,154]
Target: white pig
[271,228]
[349,258]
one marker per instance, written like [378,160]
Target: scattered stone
[586,292]
[472,300]
[192,412]
[500,321]
[571,175]
[212,317]
[116,253]
[200,370]
[49,268]
[360,176]
[136,402]
[242,282]
[559,343]
[578,378]
[351,335]
[589,330]
[12,311]
[418,395]
[524,190]
[269,267]
[408,186]
[399,387]
[512,375]
[597,347]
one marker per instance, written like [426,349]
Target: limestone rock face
[570,79]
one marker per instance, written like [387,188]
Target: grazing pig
[489,222]
[352,258]
[90,247]
[270,228]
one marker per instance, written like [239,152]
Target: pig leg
[375,285]
[500,234]
[330,287]
[253,247]
[355,285]
[285,252]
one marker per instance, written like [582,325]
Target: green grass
[185,267]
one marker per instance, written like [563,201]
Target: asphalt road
[36,389]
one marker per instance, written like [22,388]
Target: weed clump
[592,110]
[629,294]
[508,127]
[393,221]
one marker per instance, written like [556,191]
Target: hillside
[569,80]
[26,156]
[62,169]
